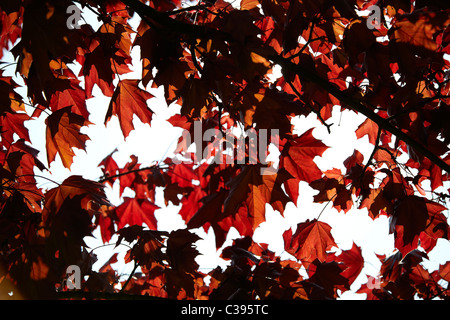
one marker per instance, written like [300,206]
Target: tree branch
[164,22]
[356,105]
[416,107]
[373,153]
[182,28]
[106,178]
[317,112]
[187,9]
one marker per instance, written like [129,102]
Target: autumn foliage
[216,60]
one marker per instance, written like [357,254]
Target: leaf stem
[377,141]
[106,178]
[130,276]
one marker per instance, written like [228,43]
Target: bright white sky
[155,142]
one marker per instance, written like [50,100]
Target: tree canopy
[216,60]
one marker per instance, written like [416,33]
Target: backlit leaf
[63,134]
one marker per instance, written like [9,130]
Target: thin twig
[326,205]
[191,8]
[377,142]
[297,93]
[310,40]
[130,277]
[106,178]
[415,107]
[193,48]
[358,106]
[39,176]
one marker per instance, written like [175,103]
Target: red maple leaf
[136,212]
[91,191]
[13,123]
[105,220]
[109,167]
[352,260]
[412,216]
[311,241]
[255,190]
[73,96]
[328,275]
[332,188]
[191,203]
[128,100]
[298,159]
[183,175]
[444,271]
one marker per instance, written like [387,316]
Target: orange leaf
[71,187]
[352,260]
[63,134]
[375,202]
[73,96]
[128,100]
[420,27]
[311,240]
[255,190]
[368,127]
[444,271]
